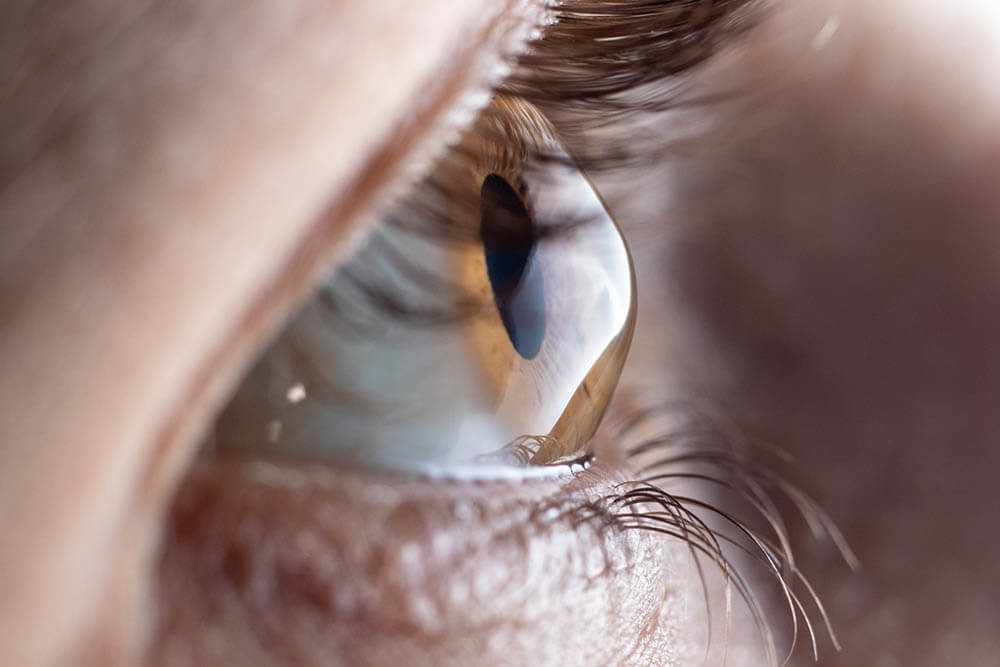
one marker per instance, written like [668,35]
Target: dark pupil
[509,243]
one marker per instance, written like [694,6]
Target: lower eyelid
[274,562]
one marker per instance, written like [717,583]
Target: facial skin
[821,266]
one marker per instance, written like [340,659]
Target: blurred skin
[823,265]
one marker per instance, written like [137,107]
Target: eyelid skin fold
[159,173]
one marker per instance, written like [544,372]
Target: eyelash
[701,447]
[638,50]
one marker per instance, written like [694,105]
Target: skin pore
[821,265]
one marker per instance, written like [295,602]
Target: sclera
[457,399]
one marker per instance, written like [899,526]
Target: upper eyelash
[594,53]
[604,65]
[597,65]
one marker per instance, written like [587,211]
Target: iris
[509,243]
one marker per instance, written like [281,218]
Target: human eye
[344,507]
[449,449]
[482,326]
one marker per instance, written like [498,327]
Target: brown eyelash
[595,53]
[698,448]
[602,65]
[597,67]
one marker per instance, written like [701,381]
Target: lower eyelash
[698,448]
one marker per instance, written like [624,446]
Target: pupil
[509,237]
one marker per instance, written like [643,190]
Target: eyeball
[488,353]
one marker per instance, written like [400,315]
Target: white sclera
[400,394]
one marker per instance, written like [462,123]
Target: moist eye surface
[489,353]
[509,241]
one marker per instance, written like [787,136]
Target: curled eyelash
[596,65]
[679,443]
[595,54]
[603,69]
